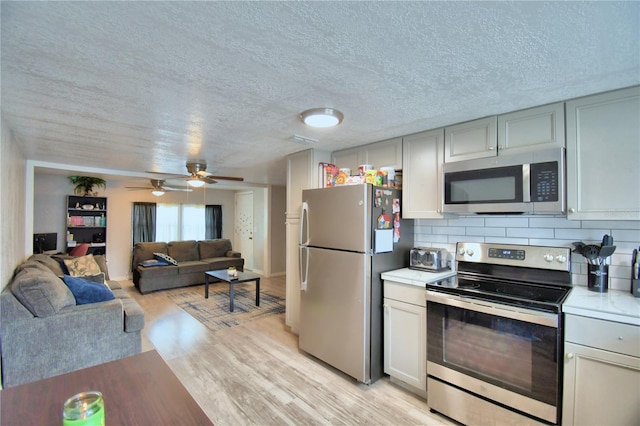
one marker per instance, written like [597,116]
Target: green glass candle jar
[84,409]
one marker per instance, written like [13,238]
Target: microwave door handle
[526,183]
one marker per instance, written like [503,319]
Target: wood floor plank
[254,373]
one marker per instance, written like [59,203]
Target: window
[176,222]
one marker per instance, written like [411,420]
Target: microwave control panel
[544,181]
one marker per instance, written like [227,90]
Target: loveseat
[44,332]
[180,263]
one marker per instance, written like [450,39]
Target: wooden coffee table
[242,277]
[137,390]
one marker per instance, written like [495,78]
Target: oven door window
[516,355]
[496,185]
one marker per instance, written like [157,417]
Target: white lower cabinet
[405,335]
[601,373]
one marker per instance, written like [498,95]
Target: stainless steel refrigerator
[349,236]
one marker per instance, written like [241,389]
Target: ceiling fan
[198,175]
[158,187]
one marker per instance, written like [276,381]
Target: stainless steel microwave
[531,182]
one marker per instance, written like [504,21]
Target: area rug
[214,311]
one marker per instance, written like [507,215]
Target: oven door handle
[491,308]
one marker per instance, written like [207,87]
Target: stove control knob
[469,252]
[560,258]
[548,257]
[461,252]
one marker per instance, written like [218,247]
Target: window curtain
[144,222]
[213,221]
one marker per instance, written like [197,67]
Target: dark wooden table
[242,277]
[137,390]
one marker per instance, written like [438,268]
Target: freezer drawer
[335,309]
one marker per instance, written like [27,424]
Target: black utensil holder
[598,278]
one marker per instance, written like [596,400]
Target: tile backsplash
[535,230]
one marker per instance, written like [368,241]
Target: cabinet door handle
[569,355]
[491,147]
[572,210]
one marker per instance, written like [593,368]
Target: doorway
[243,229]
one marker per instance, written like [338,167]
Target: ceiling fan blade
[137,188]
[167,174]
[171,188]
[208,179]
[237,179]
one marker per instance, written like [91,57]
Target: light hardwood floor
[254,374]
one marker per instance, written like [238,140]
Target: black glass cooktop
[534,296]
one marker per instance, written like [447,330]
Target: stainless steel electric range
[494,335]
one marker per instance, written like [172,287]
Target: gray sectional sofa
[44,333]
[193,258]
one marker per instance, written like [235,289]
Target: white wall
[12,205]
[537,230]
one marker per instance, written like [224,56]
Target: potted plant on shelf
[84,184]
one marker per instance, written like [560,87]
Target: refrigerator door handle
[304,218]
[304,271]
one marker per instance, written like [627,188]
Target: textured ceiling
[135,86]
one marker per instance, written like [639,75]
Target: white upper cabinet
[531,129]
[387,153]
[603,156]
[472,139]
[302,173]
[422,175]
[521,131]
[349,158]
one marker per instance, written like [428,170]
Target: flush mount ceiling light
[321,117]
[195,182]
[157,192]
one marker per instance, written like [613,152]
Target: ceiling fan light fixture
[158,192]
[321,117]
[195,182]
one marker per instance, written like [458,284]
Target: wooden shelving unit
[87,223]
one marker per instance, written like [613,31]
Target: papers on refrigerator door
[383,241]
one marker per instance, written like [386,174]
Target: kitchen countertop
[615,305]
[415,277]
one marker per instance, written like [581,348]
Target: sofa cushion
[41,292]
[183,251]
[82,265]
[223,263]
[163,258]
[101,260]
[193,266]
[161,271]
[87,291]
[144,251]
[31,265]
[49,262]
[214,248]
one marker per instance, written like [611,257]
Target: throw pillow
[153,262]
[82,265]
[166,258]
[86,291]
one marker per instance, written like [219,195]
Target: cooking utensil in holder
[598,278]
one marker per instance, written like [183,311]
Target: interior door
[244,227]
